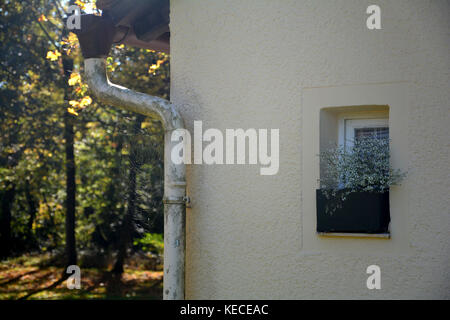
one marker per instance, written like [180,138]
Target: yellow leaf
[42,18]
[80,4]
[152,68]
[85,101]
[72,111]
[72,38]
[74,78]
[156,66]
[145,125]
[74,103]
[53,55]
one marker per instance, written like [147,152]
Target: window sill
[385,236]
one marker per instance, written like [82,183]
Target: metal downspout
[174,175]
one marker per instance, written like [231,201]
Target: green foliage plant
[364,167]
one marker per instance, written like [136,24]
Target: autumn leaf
[85,101]
[74,103]
[53,55]
[85,5]
[72,111]
[155,67]
[71,40]
[152,68]
[42,18]
[78,105]
[80,4]
[74,78]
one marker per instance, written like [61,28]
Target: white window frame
[347,128]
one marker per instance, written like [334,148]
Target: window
[355,128]
[324,113]
[359,212]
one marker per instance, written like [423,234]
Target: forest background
[81,183]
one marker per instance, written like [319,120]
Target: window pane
[380,132]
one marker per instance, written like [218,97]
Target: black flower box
[360,212]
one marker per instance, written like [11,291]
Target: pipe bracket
[177,200]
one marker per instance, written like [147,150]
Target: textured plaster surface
[245,64]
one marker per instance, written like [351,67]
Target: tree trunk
[71,253]
[5,221]
[69,120]
[32,212]
[127,224]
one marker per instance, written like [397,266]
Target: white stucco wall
[246,64]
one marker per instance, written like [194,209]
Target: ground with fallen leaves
[26,278]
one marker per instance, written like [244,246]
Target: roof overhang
[138,23]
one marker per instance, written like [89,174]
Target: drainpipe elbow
[109,93]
